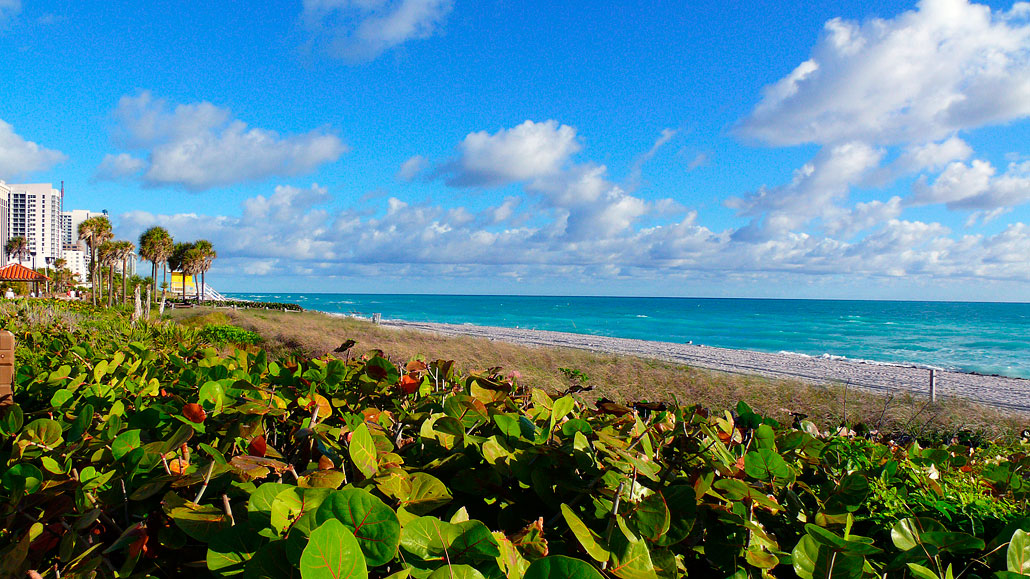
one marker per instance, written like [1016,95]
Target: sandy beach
[998,391]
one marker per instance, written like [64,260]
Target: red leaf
[194,412]
[257,446]
[409,385]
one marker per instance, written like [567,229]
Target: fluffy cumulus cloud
[946,66]
[294,232]
[21,157]
[884,100]
[361,30]
[199,146]
[528,151]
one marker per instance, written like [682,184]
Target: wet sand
[998,391]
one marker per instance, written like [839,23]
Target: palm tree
[17,248]
[177,262]
[107,254]
[95,231]
[125,249]
[155,245]
[208,255]
[193,265]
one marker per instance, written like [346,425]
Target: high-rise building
[70,221]
[5,201]
[35,214]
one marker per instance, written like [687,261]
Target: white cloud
[949,65]
[21,157]
[361,30]
[200,146]
[8,10]
[119,166]
[814,192]
[292,232]
[411,168]
[528,151]
[977,187]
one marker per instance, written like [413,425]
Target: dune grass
[624,378]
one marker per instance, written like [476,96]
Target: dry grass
[624,378]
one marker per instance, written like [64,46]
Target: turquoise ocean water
[991,338]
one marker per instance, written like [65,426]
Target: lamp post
[49,261]
[35,284]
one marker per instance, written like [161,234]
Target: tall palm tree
[17,248]
[177,262]
[125,249]
[95,231]
[208,255]
[155,245]
[107,255]
[193,264]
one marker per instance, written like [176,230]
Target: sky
[857,150]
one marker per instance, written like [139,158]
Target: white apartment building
[76,260]
[35,213]
[70,221]
[5,202]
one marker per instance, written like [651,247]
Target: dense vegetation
[145,450]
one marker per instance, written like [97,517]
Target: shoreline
[997,391]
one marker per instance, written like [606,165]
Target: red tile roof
[18,272]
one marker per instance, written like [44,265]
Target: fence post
[933,386]
[6,368]
[376,318]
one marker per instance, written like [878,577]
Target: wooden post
[6,368]
[933,386]
[376,318]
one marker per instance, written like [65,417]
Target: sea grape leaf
[229,550]
[765,464]
[81,423]
[650,517]
[125,443]
[835,542]
[906,533]
[765,437]
[427,493]
[510,561]
[508,425]
[561,567]
[682,503]
[1018,554]
[431,539]
[591,541]
[574,425]
[11,419]
[293,504]
[198,521]
[271,562]
[456,572]
[373,523]
[631,557]
[259,507]
[363,451]
[952,542]
[22,477]
[212,396]
[332,552]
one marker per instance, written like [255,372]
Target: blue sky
[846,150]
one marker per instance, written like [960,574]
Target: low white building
[76,260]
[34,212]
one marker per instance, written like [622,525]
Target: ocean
[989,338]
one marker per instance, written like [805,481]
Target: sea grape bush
[160,457]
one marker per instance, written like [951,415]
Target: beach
[998,391]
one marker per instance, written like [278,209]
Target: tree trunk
[203,286]
[110,284]
[125,266]
[153,279]
[146,306]
[161,309]
[196,286]
[137,310]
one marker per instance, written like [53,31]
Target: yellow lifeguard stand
[183,284]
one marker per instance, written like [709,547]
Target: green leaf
[431,539]
[764,464]
[631,557]
[198,521]
[294,504]
[11,419]
[375,525]
[1018,554]
[590,540]
[651,518]
[574,425]
[508,425]
[561,567]
[953,542]
[906,533]
[259,507]
[271,562]
[456,572]
[81,423]
[427,493]
[229,550]
[837,543]
[682,503]
[23,477]
[363,451]
[765,437]
[920,572]
[212,397]
[332,552]
[126,442]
